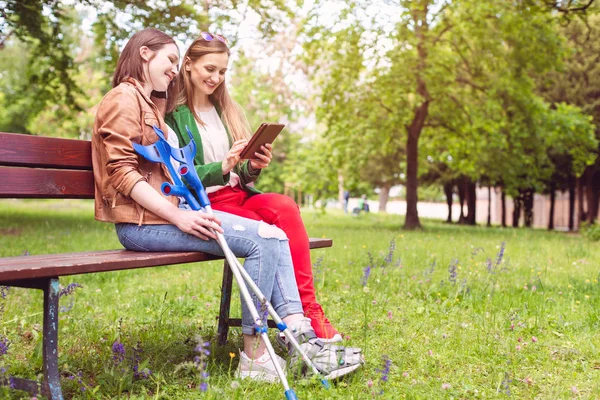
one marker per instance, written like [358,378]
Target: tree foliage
[45,29]
[462,76]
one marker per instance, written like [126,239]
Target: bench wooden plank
[52,265]
[45,152]
[46,183]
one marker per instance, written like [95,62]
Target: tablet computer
[266,133]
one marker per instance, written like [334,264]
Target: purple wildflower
[317,265]
[3,291]
[493,267]
[69,289]
[390,256]
[263,312]
[366,274]
[202,348]
[453,271]
[201,364]
[79,381]
[135,363]
[118,351]
[4,344]
[500,254]
[68,307]
[385,371]
[505,385]
[489,266]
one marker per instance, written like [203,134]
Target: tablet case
[266,133]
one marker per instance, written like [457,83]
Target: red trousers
[281,211]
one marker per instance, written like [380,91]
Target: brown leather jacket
[125,115]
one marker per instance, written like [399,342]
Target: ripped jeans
[264,247]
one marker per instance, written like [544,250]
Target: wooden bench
[53,168]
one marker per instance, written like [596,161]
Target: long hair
[183,90]
[131,64]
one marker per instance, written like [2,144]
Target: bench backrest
[45,167]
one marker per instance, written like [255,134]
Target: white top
[215,143]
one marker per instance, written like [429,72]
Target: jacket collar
[138,86]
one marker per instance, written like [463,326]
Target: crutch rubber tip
[290,394]
[282,326]
[325,383]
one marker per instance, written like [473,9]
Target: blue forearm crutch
[162,152]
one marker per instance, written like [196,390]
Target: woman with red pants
[200,101]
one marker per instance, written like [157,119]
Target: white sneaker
[331,361]
[260,369]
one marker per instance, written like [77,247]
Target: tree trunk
[448,192]
[552,203]
[489,219]
[462,195]
[516,211]
[416,126]
[592,188]
[580,206]
[471,202]
[528,207]
[503,201]
[571,204]
[384,195]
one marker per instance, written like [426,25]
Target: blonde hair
[183,90]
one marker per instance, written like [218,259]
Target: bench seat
[54,265]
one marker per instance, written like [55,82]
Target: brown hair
[183,90]
[131,64]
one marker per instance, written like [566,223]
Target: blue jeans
[264,247]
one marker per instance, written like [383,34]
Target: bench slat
[46,183]
[46,266]
[50,265]
[44,152]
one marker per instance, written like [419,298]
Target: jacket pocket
[119,199]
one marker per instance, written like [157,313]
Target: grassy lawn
[447,312]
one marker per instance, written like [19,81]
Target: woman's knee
[279,203]
[268,231]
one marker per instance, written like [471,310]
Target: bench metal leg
[50,346]
[223,327]
[50,387]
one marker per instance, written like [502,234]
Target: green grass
[530,328]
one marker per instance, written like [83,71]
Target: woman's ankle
[253,346]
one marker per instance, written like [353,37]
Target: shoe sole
[342,371]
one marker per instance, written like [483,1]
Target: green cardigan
[210,174]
